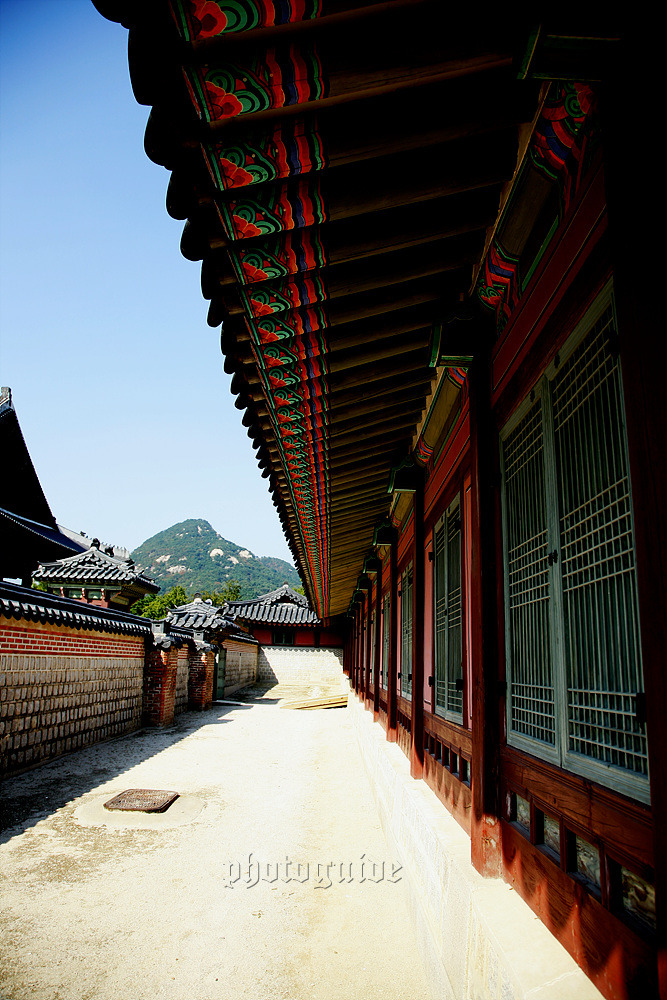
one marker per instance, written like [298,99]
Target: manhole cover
[147,800]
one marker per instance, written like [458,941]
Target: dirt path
[208,900]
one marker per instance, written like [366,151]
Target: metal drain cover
[147,800]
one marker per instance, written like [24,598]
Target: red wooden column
[417,744]
[393,644]
[353,637]
[367,675]
[378,641]
[633,189]
[356,648]
[362,647]
[485,820]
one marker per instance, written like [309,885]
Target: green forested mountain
[194,555]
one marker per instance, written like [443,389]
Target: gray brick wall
[52,704]
[297,664]
[240,666]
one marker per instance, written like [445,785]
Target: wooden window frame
[629,783]
[459,718]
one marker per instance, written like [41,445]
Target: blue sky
[117,378]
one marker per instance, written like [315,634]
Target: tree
[156,606]
[230,592]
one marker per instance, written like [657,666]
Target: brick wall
[200,679]
[297,664]
[160,686]
[240,665]
[61,689]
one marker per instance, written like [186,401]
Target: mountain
[193,554]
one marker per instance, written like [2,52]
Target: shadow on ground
[33,795]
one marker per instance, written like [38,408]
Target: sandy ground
[207,900]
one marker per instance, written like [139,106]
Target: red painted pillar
[393,646]
[485,767]
[378,645]
[417,741]
[367,674]
[357,648]
[633,185]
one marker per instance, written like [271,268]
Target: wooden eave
[407,129]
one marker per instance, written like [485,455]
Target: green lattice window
[386,636]
[448,614]
[406,632]
[575,689]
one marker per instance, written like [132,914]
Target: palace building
[424,237]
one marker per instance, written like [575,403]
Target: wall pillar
[633,184]
[160,686]
[200,678]
[367,676]
[362,648]
[378,645]
[485,832]
[417,737]
[393,646]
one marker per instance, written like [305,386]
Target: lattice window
[575,692]
[386,637]
[448,614]
[531,696]
[406,632]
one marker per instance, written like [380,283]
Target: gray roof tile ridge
[96,556]
[38,605]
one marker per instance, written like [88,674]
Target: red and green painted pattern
[276,297]
[287,326]
[559,138]
[269,181]
[556,151]
[295,385]
[289,149]
[291,204]
[500,288]
[293,253]
[277,79]
[201,19]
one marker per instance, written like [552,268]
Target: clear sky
[117,379]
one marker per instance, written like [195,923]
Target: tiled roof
[205,616]
[95,566]
[279,607]
[50,536]
[38,606]
[27,525]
